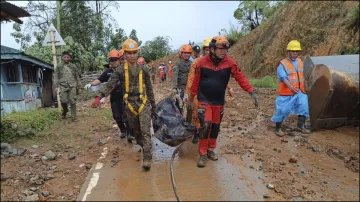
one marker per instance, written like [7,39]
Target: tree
[156,48]
[80,22]
[134,37]
[252,13]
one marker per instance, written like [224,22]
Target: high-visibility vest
[296,78]
[142,96]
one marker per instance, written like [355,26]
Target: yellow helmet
[130,45]
[206,42]
[294,45]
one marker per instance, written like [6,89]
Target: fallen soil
[327,166]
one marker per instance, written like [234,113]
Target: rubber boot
[147,161]
[278,130]
[202,161]
[64,110]
[211,155]
[301,125]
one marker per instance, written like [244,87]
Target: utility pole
[54,39]
[58,17]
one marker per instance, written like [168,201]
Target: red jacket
[210,81]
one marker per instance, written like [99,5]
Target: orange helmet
[130,45]
[121,52]
[219,42]
[186,49]
[114,54]
[141,61]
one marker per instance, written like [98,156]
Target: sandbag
[171,127]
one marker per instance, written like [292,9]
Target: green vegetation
[252,13]
[264,82]
[27,124]
[88,30]
[353,18]
[233,34]
[156,48]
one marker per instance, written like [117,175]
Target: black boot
[64,110]
[278,130]
[301,125]
[129,133]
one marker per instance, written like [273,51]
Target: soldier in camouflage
[66,78]
[141,106]
[152,71]
[181,70]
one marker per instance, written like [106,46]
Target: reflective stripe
[142,97]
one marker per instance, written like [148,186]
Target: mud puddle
[219,180]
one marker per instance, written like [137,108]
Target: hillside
[322,27]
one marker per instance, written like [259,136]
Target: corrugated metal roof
[8,53]
[5,49]
[11,12]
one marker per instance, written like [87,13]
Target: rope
[172,172]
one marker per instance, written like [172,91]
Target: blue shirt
[191,59]
[281,73]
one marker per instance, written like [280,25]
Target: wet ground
[128,181]
[250,158]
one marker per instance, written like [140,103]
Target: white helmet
[169,62]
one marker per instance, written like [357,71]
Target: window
[29,74]
[12,73]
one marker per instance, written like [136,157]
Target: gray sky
[180,20]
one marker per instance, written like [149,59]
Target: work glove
[186,98]
[87,86]
[96,102]
[255,99]
[102,101]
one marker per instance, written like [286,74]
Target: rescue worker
[117,104]
[196,50]
[153,72]
[162,73]
[192,112]
[67,78]
[292,97]
[181,71]
[139,98]
[212,75]
[171,70]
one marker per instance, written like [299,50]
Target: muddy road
[253,164]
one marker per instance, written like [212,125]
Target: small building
[10,12]
[26,82]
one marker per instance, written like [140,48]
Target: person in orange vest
[192,112]
[170,70]
[292,97]
[212,75]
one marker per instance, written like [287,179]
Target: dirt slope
[320,26]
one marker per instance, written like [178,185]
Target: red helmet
[141,61]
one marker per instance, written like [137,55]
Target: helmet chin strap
[214,58]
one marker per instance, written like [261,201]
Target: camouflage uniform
[152,73]
[67,78]
[139,124]
[181,71]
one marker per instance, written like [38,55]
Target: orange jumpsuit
[195,119]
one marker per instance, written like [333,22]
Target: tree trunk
[256,16]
